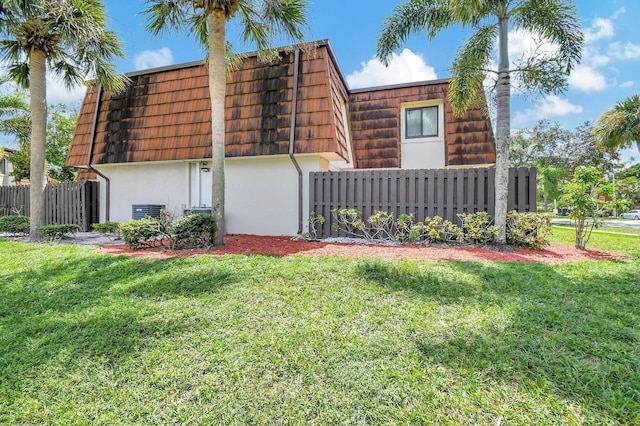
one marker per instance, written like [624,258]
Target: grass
[601,228]
[609,241]
[95,339]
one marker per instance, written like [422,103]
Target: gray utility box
[194,210]
[140,211]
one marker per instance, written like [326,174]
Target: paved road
[614,223]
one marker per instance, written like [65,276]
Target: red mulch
[285,246]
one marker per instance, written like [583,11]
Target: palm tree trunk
[37,178]
[217,88]
[503,133]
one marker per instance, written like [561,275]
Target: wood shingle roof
[164,115]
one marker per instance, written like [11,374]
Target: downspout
[292,137]
[90,154]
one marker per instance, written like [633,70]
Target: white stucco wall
[144,183]
[261,192]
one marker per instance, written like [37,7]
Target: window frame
[422,135]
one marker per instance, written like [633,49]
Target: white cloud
[628,51]
[586,79]
[525,44]
[403,68]
[601,28]
[549,107]
[57,93]
[153,58]
[626,84]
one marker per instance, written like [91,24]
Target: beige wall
[261,192]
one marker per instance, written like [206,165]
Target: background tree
[60,127]
[620,126]
[557,152]
[582,195]
[545,71]
[67,37]
[261,22]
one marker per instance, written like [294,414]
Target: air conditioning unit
[140,211]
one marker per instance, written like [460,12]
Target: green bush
[435,230]
[143,233]
[107,228]
[57,232]
[193,231]
[14,224]
[478,227]
[528,229]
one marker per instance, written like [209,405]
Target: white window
[422,122]
[422,135]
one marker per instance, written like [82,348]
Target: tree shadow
[573,330]
[97,310]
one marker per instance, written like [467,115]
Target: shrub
[193,231]
[142,233]
[14,224]
[350,220]
[107,228]
[313,221]
[528,229]
[57,232]
[478,227]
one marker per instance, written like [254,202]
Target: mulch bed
[285,246]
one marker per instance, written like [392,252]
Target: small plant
[350,220]
[111,229]
[14,224]
[143,233]
[313,221]
[582,195]
[58,232]
[478,227]
[528,229]
[193,231]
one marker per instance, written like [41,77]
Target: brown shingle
[375,126]
[165,114]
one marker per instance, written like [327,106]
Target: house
[6,167]
[150,144]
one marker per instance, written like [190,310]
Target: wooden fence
[423,193]
[69,202]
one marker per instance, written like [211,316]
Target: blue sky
[608,73]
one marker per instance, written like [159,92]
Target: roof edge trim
[399,86]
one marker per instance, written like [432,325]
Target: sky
[609,70]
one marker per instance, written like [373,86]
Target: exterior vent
[194,210]
[140,211]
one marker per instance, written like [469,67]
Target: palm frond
[555,20]
[620,126]
[409,18]
[468,68]
[166,16]
[286,17]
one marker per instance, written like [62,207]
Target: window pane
[430,121]
[414,123]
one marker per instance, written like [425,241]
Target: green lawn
[95,339]
[609,241]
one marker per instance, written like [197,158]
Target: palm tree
[67,38]
[620,126]
[261,21]
[490,20]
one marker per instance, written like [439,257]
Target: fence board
[423,193]
[65,203]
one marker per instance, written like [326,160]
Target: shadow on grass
[94,310]
[574,330]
